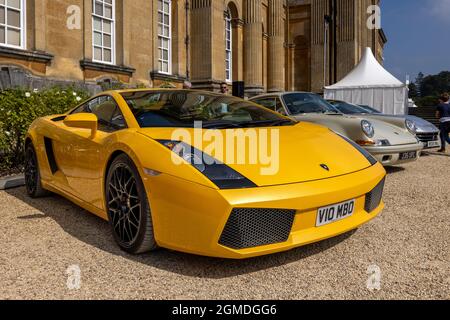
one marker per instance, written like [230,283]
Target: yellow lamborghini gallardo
[203,173]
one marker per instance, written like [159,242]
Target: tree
[427,89]
[419,81]
[435,85]
[413,92]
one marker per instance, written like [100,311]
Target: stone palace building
[263,45]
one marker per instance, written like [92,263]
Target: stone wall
[277,44]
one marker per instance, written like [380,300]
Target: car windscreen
[370,109]
[186,108]
[348,108]
[302,103]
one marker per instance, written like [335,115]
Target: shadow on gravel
[439,154]
[95,232]
[393,170]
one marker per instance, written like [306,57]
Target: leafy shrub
[428,101]
[19,108]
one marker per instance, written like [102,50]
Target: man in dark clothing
[443,114]
[224,88]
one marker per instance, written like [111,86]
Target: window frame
[278,104]
[86,103]
[162,36]
[228,29]
[22,28]
[113,32]
[258,101]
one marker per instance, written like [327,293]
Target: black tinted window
[300,103]
[109,116]
[269,103]
[348,108]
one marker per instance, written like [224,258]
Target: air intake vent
[373,199]
[249,228]
[50,155]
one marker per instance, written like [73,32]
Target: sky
[418,33]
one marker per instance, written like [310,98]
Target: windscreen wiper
[246,124]
[221,125]
[269,123]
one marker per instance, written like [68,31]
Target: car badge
[325,167]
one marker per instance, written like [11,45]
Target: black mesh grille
[249,228]
[373,199]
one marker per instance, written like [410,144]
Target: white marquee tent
[370,84]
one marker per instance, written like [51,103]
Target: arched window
[228,47]
[165,36]
[103,17]
[12,23]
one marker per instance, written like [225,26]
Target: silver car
[390,144]
[425,131]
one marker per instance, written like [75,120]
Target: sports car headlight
[220,174]
[411,126]
[364,152]
[367,128]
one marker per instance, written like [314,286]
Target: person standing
[187,85]
[443,114]
[224,88]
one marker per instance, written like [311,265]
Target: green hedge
[19,108]
[428,101]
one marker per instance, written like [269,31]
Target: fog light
[382,143]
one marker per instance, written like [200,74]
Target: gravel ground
[409,242]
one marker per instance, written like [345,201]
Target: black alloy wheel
[128,208]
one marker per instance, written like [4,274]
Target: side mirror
[83,121]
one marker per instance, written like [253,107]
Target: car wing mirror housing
[83,121]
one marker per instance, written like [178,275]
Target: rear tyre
[33,175]
[128,208]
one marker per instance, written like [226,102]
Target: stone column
[276,52]
[290,67]
[253,44]
[201,44]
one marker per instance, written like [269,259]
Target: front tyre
[128,208]
[32,174]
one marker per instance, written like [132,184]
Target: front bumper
[430,140]
[191,218]
[390,155]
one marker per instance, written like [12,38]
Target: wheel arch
[111,159]
[116,153]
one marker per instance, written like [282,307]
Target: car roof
[278,94]
[119,91]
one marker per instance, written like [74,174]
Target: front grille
[373,198]
[249,228]
[427,137]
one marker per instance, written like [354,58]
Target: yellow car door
[83,155]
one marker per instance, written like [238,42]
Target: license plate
[337,212]
[434,144]
[408,155]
